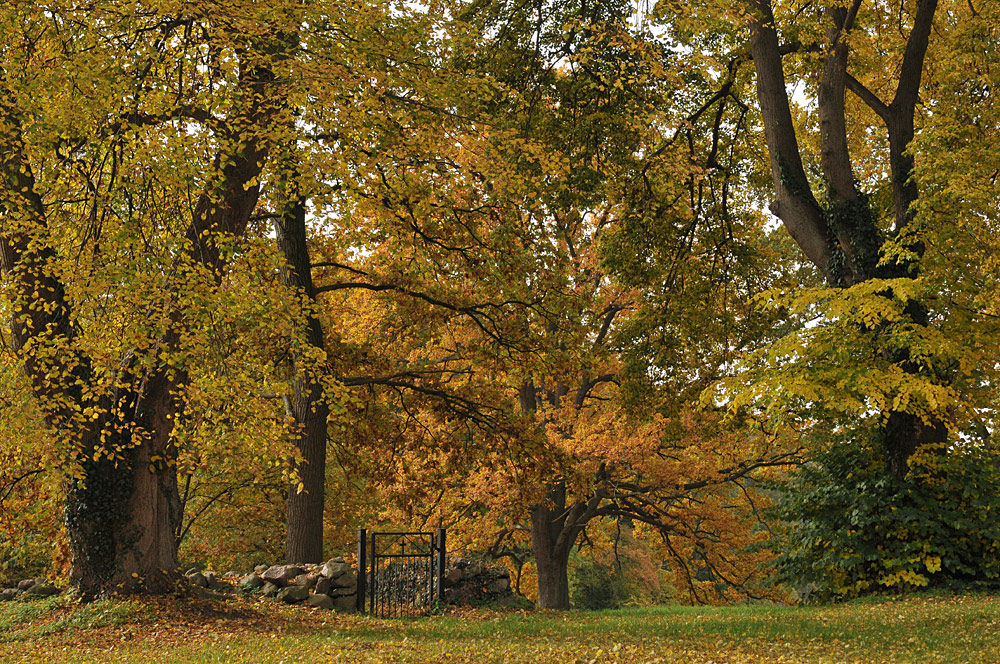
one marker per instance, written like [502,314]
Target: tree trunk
[304,535]
[549,545]
[122,520]
[308,408]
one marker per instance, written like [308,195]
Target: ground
[925,629]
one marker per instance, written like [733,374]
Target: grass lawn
[924,629]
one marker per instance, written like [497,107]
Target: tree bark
[551,545]
[794,202]
[308,408]
[122,515]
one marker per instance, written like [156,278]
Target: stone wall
[29,588]
[470,582]
[331,585]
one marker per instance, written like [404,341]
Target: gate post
[441,550]
[362,570]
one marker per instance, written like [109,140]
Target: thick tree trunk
[122,519]
[308,408]
[549,545]
[123,513]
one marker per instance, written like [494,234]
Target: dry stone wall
[330,585]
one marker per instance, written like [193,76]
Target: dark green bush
[850,527]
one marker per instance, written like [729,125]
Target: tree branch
[868,97]
[794,202]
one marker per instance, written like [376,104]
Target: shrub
[850,527]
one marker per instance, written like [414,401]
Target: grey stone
[349,580]
[191,571]
[293,594]
[206,593]
[804,593]
[8,594]
[323,586]
[334,568]
[498,586]
[260,569]
[232,574]
[342,592]
[281,575]
[42,590]
[26,583]
[252,582]
[197,579]
[306,580]
[269,590]
[346,603]
[210,577]
[320,601]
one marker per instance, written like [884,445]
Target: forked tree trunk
[554,529]
[122,504]
[844,241]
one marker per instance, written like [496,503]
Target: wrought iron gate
[403,572]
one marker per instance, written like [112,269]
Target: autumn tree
[844,237]
[120,215]
[883,361]
[514,210]
[920,327]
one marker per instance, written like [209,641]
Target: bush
[601,580]
[595,586]
[851,527]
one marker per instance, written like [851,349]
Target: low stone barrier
[330,585]
[471,582]
[334,584]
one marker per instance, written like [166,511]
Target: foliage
[850,528]
[545,277]
[533,323]
[615,570]
[17,622]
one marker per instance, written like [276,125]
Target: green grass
[25,620]
[925,629]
